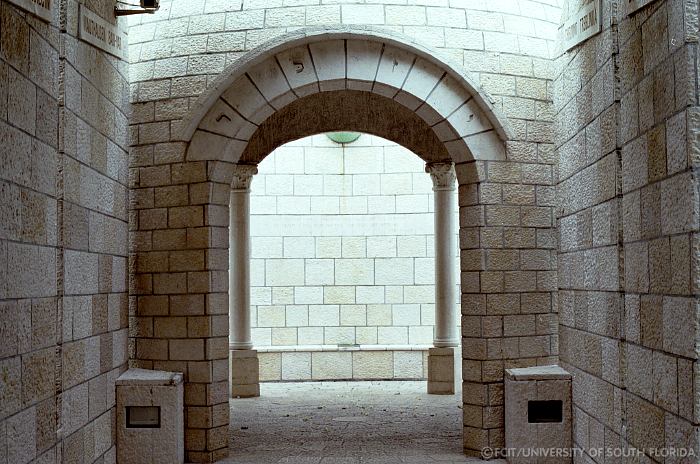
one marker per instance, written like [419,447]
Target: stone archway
[307,83]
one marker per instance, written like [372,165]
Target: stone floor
[347,423]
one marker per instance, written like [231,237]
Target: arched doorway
[364,81]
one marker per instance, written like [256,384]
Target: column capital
[443,175]
[242,176]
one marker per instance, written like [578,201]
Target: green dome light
[343,137]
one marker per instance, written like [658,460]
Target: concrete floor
[347,423]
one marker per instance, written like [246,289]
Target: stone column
[244,366]
[441,358]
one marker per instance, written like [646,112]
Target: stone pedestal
[537,413]
[150,410]
[245,373]
[441,371]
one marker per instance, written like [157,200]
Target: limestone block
[369,295]
[297,315]
[331,365]
[299,70]
[411,246]
[393,271]
[328,247]
[362,14]
[339,335]
[379,314]
[270,366]
[396,184]
[21,436]
[366,184]
[354,247]
[354,271]
[420,335]
[392,335]
[441,371]
[353,315]
[421,80]
[323,14]
[381,247]
[272,83]
[284,336]
[284,272]
[308,295]
[362,61]
[248,101]
[406,314]
[408,364]
[413,203]
[299,247]
[339,295]
[296,366]
[394,66]
[139,387]
[324,315]
[310,335]
[419,294]
[366,335]
[372,365]
[320,271]
[364,160]
[245,373]
[266,247]
[329,61]
[443,101]
[271,316]
[80,272]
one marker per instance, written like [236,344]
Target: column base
[244,369]
[441,371]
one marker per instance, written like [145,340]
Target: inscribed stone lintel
[102,34]
[581,26]
[39,8]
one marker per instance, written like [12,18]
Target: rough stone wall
[176,53]
[507,238]
[63,238]
[628,210]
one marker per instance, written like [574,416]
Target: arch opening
[343,284]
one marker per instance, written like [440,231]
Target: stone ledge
[137,376]
[309,348]
[552,372]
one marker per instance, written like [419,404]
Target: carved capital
[242,176]
[443,175]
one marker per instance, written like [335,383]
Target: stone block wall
[63,237]
[367,363]
[342,254]
[628,216]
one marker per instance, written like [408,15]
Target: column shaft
[445,264]
[239,270]
[443,175]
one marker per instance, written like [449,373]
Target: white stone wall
[342,249]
